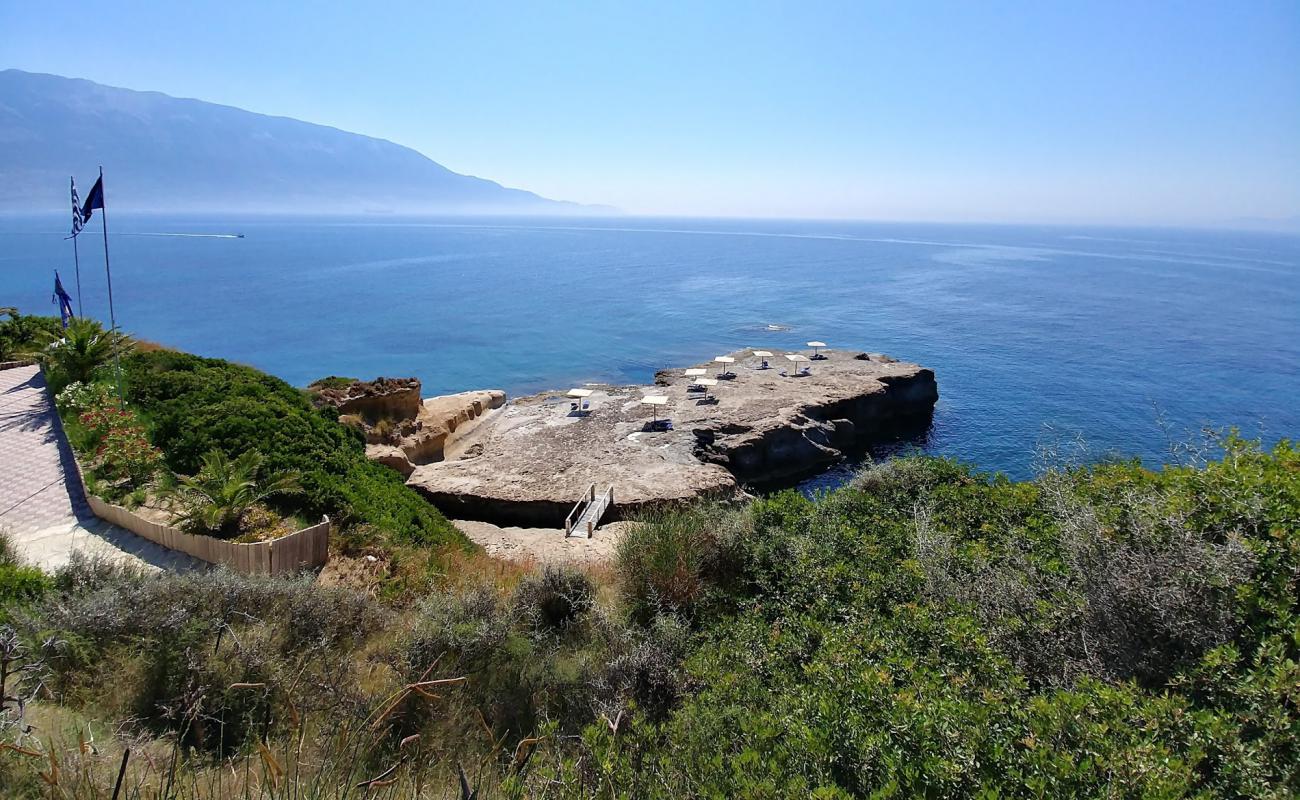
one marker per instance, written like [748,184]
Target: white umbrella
[580,393]
[726,362]
[695,372]
[816,346]
[704,382]
[654,401]
[762,354]
[796,358]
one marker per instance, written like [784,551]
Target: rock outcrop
[535,458]
[403,431]
[393,399]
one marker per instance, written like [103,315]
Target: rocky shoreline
[526,462]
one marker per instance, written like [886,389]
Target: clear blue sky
[1137,112]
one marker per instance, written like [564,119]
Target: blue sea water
[1123,338]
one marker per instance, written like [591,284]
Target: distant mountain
[167,153]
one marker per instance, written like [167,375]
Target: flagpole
[77,260]
[112,315]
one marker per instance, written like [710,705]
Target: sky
[1183,113]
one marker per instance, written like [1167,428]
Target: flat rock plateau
[529,461]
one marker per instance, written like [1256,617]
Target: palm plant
[216,499]
[77,352]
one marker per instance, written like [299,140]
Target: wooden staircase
[584,519]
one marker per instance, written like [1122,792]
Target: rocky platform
[530,461]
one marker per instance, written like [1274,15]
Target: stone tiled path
[42,506]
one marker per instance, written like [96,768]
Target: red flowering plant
[122,452]
[99,421]
[126,456]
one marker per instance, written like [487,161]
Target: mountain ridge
[185,154]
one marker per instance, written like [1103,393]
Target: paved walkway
[42,506]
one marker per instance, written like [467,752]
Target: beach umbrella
[581,396]
[726,362]
[695,372]
[816,346]
[797,358]
[763,354]
[655,401]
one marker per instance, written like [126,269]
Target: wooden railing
[588,497]
[586,515]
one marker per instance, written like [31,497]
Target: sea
[1049,344]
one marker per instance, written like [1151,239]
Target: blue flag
[94,200]
[61,298]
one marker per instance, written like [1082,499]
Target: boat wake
[193,235]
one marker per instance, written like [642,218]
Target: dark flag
[77,221]
[94,200]
[61,298]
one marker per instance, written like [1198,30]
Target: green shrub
[21,335]
[195,405]
[669,559]
[20,586]
[167,648]
[333,382]
[555,597]
[932,631]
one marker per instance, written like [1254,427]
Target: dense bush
[19,585]
[673,559]
[932,631]
[926,631]
[172,649]
[555,597]
[195,405]
[23,335]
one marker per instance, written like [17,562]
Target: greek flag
[78,222]
[62,299]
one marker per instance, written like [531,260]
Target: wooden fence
[306,549]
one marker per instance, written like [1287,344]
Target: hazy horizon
[1161,115]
